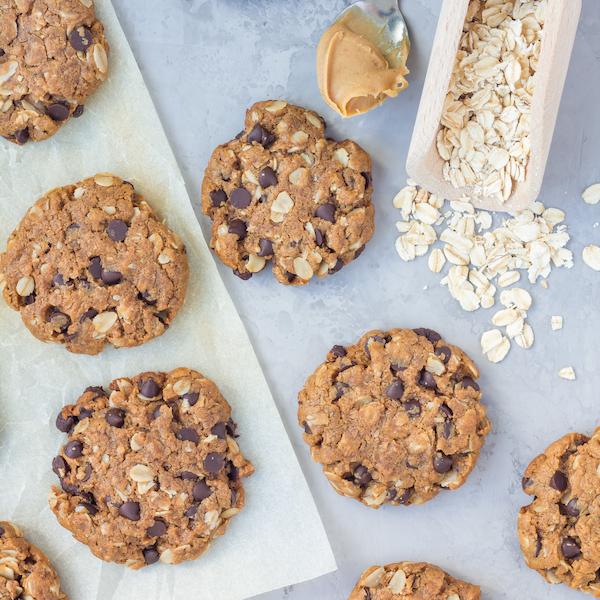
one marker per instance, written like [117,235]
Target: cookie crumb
[556,322]
[567,373]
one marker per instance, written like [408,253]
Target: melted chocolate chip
[267,178]
[326,212]
[427,380]
[130,510]
[429,334]
[468,382]
[149,388]
[559,481]
[81,38]
[58,111]
[201,491]
[570,509]
[338,351]
[111,277]
[339,265]
[95,267]
[22,136]
[242,276]
[65,424]
[157,529]
[238,227]
[117,230]
[214,462]
[79,109]
[395,391]
[362,475]
[74,449]
[151,555]
[406,495]
[218,198]
[220,430]
[88,314]
[191,398]
[319,239]
[115,417]
[187,434]
[442,463]
[265,247]
[60,466]
[412,407]
[444,353]
[261,136]
[570,548]
[240,198]
[368,179]
[59,320]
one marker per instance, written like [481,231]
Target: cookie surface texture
[283,193]
[53,56]
[558,531]
[411,581]
[395,418]
[151,469]
[91,264]
[26,571]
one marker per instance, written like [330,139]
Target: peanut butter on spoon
[358,66]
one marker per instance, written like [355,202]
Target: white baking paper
[278,539]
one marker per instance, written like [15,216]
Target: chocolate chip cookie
[25,571]
[558,531]
[151,469]
[394,418]
[53,56]
[91,264]
[282,192]
[411,581]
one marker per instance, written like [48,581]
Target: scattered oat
[567,373]
[494,345]
[592,194]
[591,257]
[556,322]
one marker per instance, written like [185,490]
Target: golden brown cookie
[91,264]
[25,571]
[53,56]
[411,581]
[151,469]
[394,418]
[559,531]
[282,192]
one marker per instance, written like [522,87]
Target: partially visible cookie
[395,418]
[151,469]
[92,264]
[559,531]
[283,192]
[53,56]
[411,581]
[25,571]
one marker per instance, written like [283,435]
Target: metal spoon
[383,24]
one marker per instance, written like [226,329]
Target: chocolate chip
[58,280]
[406,495]
[74,449]
[362,475]
[190,513]
[242,276]
[444,353]
[538,544]
[81,38]
[218,198]
[69,488]
[92,510]
[240,198]
[65,424]
[395,391]
[266,247]
[326,212]
[95,267]
[338,266]
[111,277]
[187,434]
[84,413]
[29,299]
[442,463]
[368,179]
[468,382]
[427,380]
[191,398]
[446,411]
[2,53]
[146,298]
[88,314]
[58,111]
[358,252]
[130,510]
[78,111]
[201,491]
[412,407]
[232,428]
[338,351]
[220,430]
[157,529]
[526,482]
[238,227]
[60,466]
[149,388]
[570,548]
[267,177]
[88,472]
[22,136]
[117,230]
[151,555]
[319,239]
[340,388]
[115,417]
[233,471]
[374,338]
[307,428]
[188,476]
[60,322]
[261,136]
[395,369]
[430,334]
[214,462]
[559,481]
[162,316]
[570,509]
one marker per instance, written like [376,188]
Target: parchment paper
[278,539]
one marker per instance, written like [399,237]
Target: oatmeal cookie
[53,56]
[91,264]
[151,469]
[395,418]
[283,192]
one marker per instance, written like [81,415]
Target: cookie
[394,418]
[25,572]
[282,192]
[558,531]
[411,581]
[151,469]
[92,264]
[53,56]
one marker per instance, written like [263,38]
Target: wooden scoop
[424,163]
